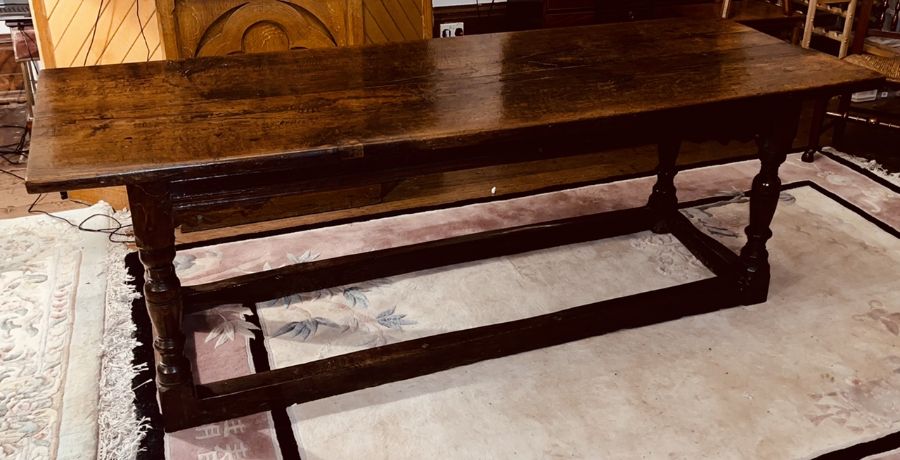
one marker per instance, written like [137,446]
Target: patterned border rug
[815,370]
[58,369]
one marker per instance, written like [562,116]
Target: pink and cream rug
[814,370]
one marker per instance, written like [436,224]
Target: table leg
[664,201]
[154,231]
[774,146]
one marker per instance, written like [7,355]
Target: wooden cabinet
[630,10]
[220,27]
[561,13]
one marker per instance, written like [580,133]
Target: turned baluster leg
[774,146]
[663,201]
[154,231]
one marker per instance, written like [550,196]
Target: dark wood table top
[133,123]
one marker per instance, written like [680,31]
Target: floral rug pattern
[35,268]
[47,269]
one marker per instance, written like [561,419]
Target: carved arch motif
[260,26]
[191,28]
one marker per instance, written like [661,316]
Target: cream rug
[53,291]
[813,369]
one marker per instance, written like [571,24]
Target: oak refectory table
[198,136]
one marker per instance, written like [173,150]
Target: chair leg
[808,26]
[847,33]
[815,129]
[840,124]
[726,9]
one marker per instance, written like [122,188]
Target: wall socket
[452,29]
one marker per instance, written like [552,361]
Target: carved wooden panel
[219,27]
[396,20]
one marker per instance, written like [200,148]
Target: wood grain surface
[132,123]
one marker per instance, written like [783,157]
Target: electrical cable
[116,231]
[5,157]
[137,10]
[110,232]
[18,147]
[93,33]
[18,151]
[21,151]
[12,174]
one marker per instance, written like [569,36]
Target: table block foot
[809,155]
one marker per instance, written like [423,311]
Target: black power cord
[18,151]
[12,174]
[137,10]
[110,232]
[93,32]
[116,231]
[22,151]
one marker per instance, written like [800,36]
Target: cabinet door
[220,27]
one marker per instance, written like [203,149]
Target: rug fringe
[120,430]
[870,165]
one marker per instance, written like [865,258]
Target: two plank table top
[132,123]
[201,134]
